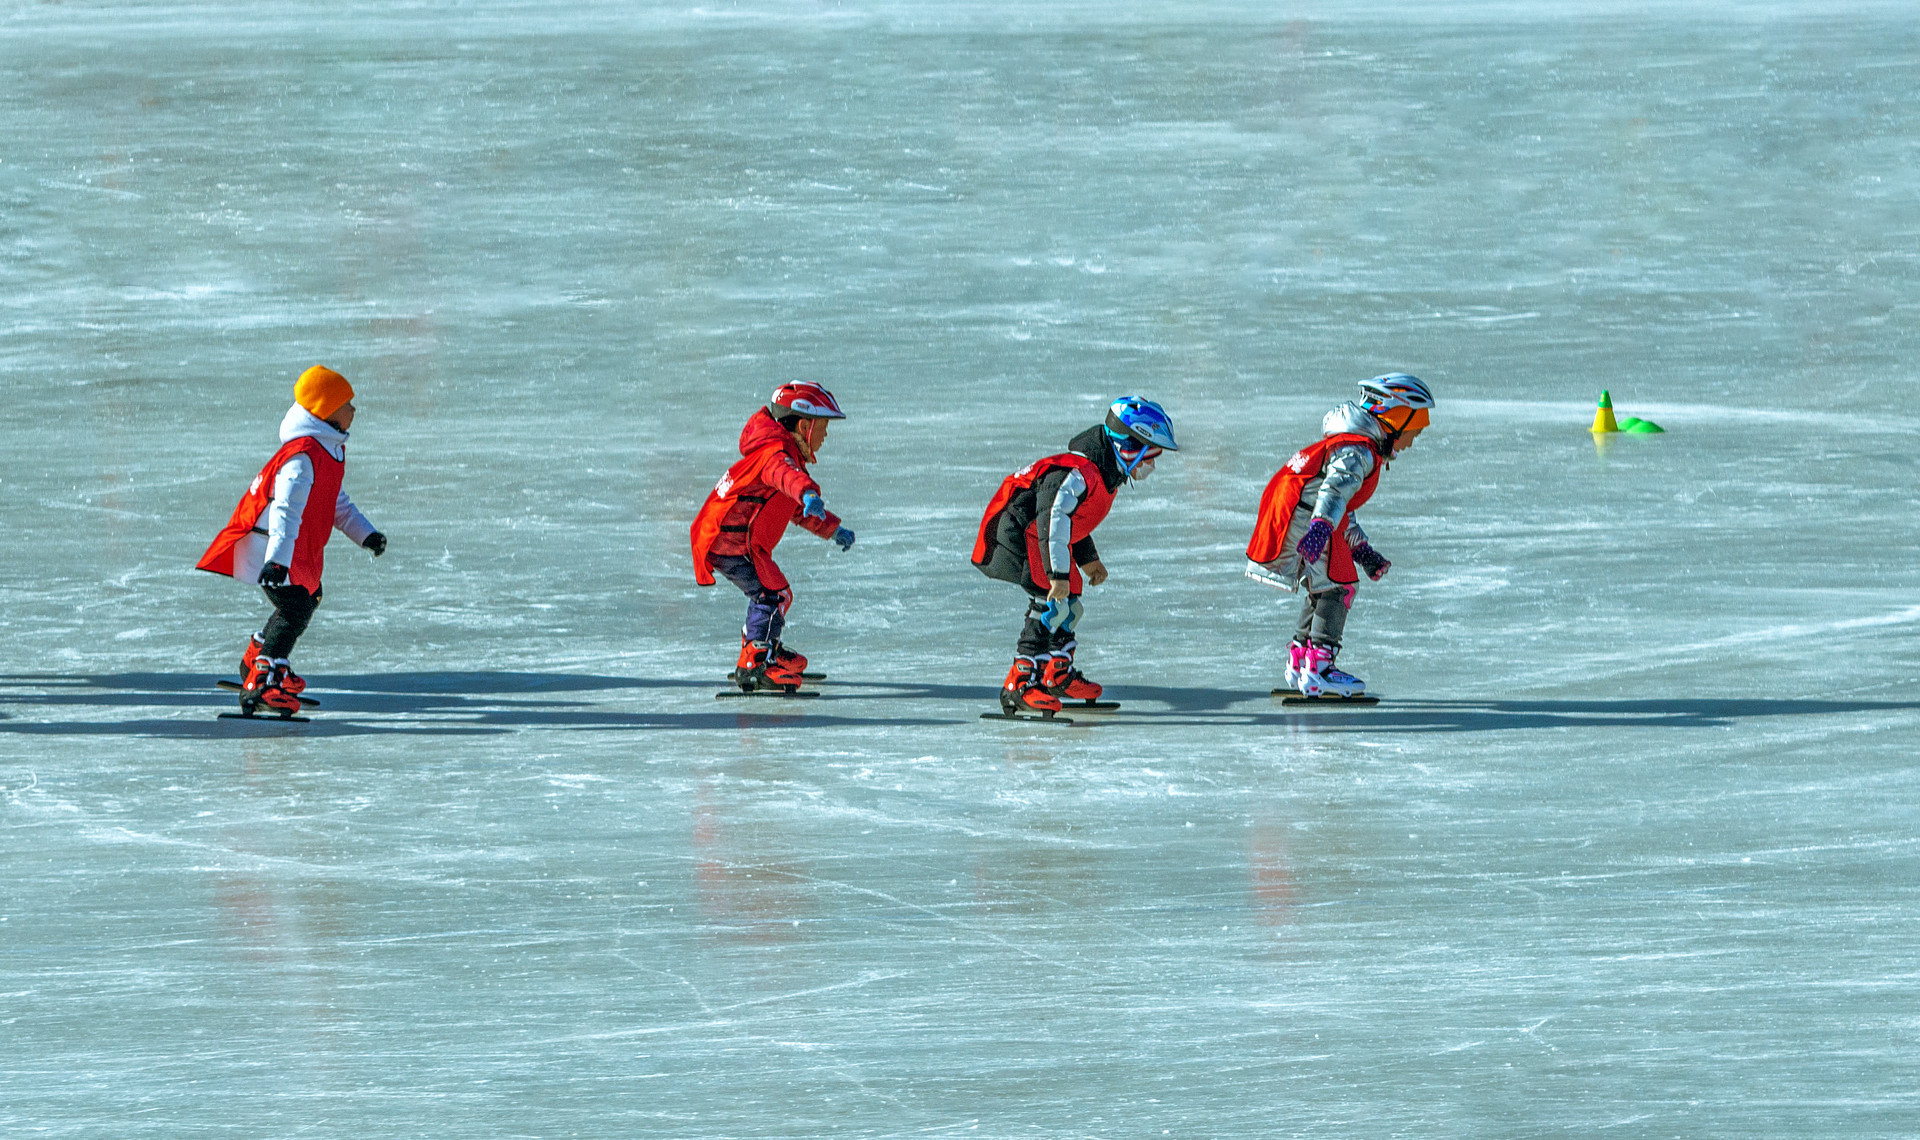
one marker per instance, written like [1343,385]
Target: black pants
[292,609]
[1007,562]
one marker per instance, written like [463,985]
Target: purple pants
[766,609]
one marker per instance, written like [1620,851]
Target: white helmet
[1396,390]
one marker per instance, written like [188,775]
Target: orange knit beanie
[321,391]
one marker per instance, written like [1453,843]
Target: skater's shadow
[1178,700]
[1508,715]
[409,703]
[480,703]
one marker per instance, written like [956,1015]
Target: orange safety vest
[1282,498]
[1087,515]
[316,522]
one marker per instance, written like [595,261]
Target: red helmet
[804,399]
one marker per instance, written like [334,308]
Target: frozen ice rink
[1631,848]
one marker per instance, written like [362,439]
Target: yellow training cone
[1603,420]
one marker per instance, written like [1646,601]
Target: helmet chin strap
[1394,432]
[1120,457]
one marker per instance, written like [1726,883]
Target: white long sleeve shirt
[294,483]
[1060,524]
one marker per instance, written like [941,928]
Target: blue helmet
[1135,420]
[1139,429]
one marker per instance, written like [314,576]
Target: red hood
[762,429]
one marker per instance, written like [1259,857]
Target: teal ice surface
[1630,849]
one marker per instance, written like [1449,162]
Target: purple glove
[1314,543]
[1368,559]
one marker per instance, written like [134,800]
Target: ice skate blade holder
[784,692]
[1033,716]
[1295,697]
[734,675]
[237,687]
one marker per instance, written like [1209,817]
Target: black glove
[273,574]
[1369,560]
[377,543]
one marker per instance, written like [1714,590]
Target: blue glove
[811,507]
[1368,559]
[843,536]
[1314,543]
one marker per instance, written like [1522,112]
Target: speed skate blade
[270,719]
[1294,697]
[237,687]
[1028,716]
[1091,706]
[783,694]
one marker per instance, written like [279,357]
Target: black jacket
[1007,560]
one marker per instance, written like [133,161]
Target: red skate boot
[263,690]
[1022,691]
[246,659]
[788,659]
[1064,681]
[758,668]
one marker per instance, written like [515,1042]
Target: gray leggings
[1323,617]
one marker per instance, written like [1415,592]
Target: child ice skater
[278,534]
[746,515]
[1306,536]
[1038,534]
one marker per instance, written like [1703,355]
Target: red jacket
[1282,498]
[747,512]
[316,522]
[1088,514]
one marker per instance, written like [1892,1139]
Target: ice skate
[789,660]
[1320,682]
[1070,686]
[263,691]
[787,657]
[760,672]
[231,686]
[1022,696]
[1296,662]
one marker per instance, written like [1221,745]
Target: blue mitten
[843,536]
[811,506]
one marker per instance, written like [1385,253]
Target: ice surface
[1630,849]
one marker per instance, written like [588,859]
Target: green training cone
[1603,420]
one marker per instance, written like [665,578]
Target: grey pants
[1323,617]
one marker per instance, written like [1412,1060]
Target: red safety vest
[1282,498]
[1087,515]
[316,522]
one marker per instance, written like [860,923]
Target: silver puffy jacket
[1325,496]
